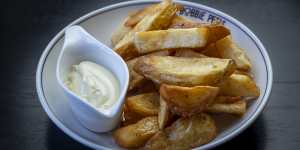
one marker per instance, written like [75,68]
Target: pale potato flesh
[136,135]
[184,134]
[187,101]
[144,104]
[150,41]
[184,71]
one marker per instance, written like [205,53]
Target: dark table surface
[28,26]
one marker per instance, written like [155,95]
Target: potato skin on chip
[144,104]
[186,101]
[184,71]
[184,134]
[136,135]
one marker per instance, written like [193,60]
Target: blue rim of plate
[242,126]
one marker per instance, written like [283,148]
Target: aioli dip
[94,84]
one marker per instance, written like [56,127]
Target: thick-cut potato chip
[164,114]
[186,101]
[129,23]
[159,20]
[216,31]
[228,49]
[136,80]
[129,117]
[211,51]
[188,53]
[227,99]
[135,17]
[184,134]
[182,22]
[239,85]
[150,41]
[144,104]
[136,135]
[184,71]
[120,32]
[235,108]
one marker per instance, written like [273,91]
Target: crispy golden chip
[227,99]
[242,72]
[186,101]
[216,31]
[185,133]
[188,53]
[235,108]
[184,71]
[164,114]
[136,17]
[150,41]
[136,135]
[182,22]
[129,117]
[211,51]
[144,104]
[228,49]
[136,80]
[159,20]
[239,85]
[120,32]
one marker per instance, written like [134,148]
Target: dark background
[28,25]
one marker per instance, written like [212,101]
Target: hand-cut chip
[182,22]
[186,101]
[158,20]
[211,51]
[227,99]
[129,23]
[185,133]
[136,17]
[216,31]
[239,85]
[235,108]
[164,114]
[226,48]
[144,104]
[242,72]
[120,32]
[136,80]
[188,53]
[136,135]
[150,41]
[129,117]
[184,71]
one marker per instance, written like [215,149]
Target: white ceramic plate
[101,23]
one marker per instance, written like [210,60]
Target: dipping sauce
[94,84]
